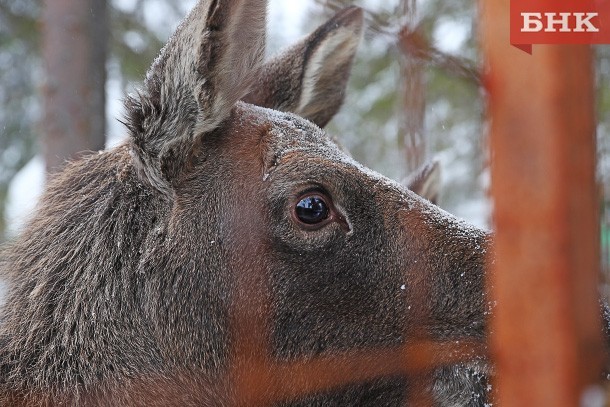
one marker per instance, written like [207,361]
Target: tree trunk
[413,91]
[74,46]
[546,333]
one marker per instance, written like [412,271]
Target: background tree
[19,106]
[413,89]
[74,44]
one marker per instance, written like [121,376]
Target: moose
[150,271]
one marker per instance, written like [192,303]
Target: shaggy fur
[308,78]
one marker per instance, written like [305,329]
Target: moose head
[230,231]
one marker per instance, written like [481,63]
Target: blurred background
[415,92]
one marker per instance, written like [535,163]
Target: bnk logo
[563,22]
[559,22]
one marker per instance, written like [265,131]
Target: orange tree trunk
[546,333]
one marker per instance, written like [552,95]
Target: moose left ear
[205,68]
[426,181]
[309,78]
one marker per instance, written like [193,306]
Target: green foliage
[19,108]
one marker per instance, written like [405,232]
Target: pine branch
[413,44]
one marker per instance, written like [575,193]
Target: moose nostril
[312,209]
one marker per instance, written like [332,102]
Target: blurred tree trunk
[413,88]
[74,47]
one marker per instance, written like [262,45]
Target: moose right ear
[425,181]
[309,78]
[205,68]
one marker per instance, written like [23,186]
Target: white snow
[115,131]
[285,22]
[23,193]
[450,34]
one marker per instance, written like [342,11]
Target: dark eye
[312,209]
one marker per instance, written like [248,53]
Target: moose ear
[203,70]
[425,181]
[310,77]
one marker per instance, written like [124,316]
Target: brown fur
[286,83]
[134,281]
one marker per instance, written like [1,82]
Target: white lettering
[581,22]
[531,22]
[551,21]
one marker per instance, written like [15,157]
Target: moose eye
[312,210]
